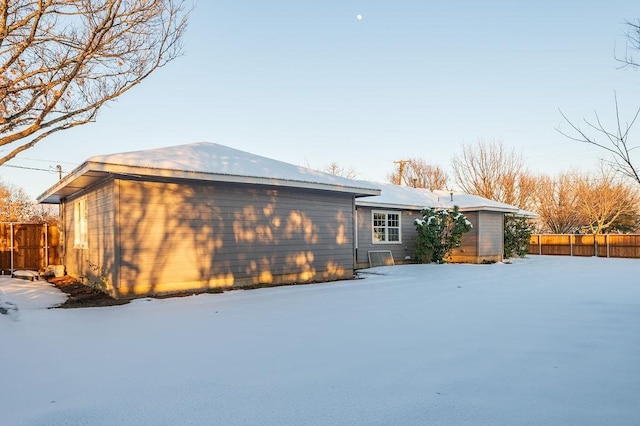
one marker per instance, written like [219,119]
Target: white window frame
[386,226]
[80,234]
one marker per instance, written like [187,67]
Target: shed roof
[202,161]
[404,197]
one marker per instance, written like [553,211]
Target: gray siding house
[386,223]
[200,216]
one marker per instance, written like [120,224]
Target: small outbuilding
[386,224]
[201,216]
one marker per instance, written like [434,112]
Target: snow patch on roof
[406,197]
[211,158]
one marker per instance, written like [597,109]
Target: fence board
[605,245]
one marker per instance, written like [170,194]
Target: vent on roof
[380,258]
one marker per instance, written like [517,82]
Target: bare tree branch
[336,169]
[62,60]
[616,143]
[491,171]
[632,45]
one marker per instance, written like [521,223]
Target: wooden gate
[28,246]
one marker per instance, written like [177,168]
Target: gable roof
[405,197]
[204,162]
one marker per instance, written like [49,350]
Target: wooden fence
[28,246]
[603,245]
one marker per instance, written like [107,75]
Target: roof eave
[364,203]
[489,209]
[527,214]
[52,195]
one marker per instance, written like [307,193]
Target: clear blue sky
[308,83]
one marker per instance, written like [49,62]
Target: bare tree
[632,45]
[45,213]
[17,206]
[416,173]
[336,169]
[61,60]
[603,200]
[615,142]
[556,202]
[491,171]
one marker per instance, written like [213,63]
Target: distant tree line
[572,202]
[17,206]
[587,202]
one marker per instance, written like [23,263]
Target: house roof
[404,197]
[205,162]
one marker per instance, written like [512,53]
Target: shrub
[517,234]
[439,232]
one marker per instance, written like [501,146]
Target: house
[200,216]
[385,223]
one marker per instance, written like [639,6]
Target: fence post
[571,237]
[606,240]
[540,244]
[46,245]
[11,248]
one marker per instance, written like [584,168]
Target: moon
[359,17]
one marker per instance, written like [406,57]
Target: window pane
[379,234]
[393,220]
[80,223]
[76,224]
[394,234]
[379,219]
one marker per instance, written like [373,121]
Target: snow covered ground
[542,341]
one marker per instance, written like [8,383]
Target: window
[80,223]
[386,227]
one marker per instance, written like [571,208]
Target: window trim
[80,228]
[386,227]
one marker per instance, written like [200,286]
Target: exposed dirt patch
[83,296]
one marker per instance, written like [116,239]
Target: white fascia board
[488,209]
[364,203]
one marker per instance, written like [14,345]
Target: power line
[50,169]
[45,161]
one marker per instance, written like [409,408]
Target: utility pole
[401,164]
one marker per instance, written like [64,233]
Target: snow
[202,161]
[18,294]
[206,157]
[405,197]
[545,340]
